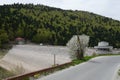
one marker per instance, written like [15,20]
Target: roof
[19,38]
[103,44]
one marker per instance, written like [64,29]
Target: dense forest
[48,25]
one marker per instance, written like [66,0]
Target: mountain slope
[43,24]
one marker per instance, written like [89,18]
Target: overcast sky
[109,8]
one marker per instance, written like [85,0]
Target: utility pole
[54,59]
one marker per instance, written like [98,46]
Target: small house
[20,40]
[104,47]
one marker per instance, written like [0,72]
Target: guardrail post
[54,60]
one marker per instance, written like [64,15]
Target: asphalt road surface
[99,68]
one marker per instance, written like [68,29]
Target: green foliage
[3,53]
[0,44]
[78,61]
[119,72]
[50,25]
[42,36]
[4,73]
[3,37]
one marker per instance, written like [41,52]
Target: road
[99,68]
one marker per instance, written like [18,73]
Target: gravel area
[34,57]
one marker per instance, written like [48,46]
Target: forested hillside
[43,24]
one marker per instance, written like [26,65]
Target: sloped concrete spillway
[34,57]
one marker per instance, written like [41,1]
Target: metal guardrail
[20,77]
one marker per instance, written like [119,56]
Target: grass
[4,73]
[108,54]
[119,72]
[17,70]
[3,53]
[86,58]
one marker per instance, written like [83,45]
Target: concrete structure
[103,46]
[34,57]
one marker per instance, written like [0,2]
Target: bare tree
[77,45]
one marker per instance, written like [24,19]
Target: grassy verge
[119,72]
[86,58]
[109,54]
[3,53]
[4,73]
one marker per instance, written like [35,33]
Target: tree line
[49,25]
